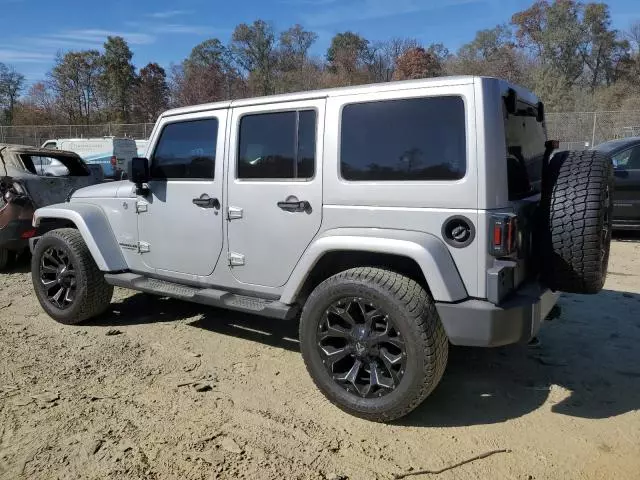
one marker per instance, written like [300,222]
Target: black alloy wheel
[58,277]
[361,347]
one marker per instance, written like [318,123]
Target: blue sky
[165,30]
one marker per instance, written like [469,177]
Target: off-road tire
[414,313]
[93,294]
[577,209]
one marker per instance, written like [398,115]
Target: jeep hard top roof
[523,93]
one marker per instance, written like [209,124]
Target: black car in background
[625,154]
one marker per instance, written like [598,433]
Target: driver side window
[186,150]
[628,159]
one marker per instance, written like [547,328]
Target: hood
[102,190]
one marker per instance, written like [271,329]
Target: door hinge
[234,213]
[143,247]
[141,207]
[236,259]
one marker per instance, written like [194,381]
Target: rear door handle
[204,201]
[292,204]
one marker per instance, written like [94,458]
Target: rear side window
[278,145]
[186,150]
[408,139]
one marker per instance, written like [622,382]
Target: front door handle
[292,204]
[204,201]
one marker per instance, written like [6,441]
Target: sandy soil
[116,398]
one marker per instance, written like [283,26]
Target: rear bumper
[479,323]
[11,235]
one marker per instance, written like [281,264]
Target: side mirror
[138,171]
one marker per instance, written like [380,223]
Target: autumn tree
[254,48]
[11,84]
[491,53]
[207,75]
[295,70]
[348,57]
[37,107]
[151,93]
[384,55]
[416,63]
[75,79]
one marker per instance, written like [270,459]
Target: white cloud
[96,35]
[181,28]
[374,9]
[9,55]
[170,13]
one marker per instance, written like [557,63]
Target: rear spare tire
[577,207]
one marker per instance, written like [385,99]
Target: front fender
[94,227]
[428,251]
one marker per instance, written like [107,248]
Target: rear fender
[428,251]
[94,227]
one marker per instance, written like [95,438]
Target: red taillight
[497,235]
[28,234]
[505,234]
[114,161]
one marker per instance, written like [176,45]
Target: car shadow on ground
[141,309]
[587,364]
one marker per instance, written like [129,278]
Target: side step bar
[204,296]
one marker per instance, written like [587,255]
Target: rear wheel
[577,203]
[373,343]
[66,279]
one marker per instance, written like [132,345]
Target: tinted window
[277,145]
[525,138]
[186,150]
[410,139]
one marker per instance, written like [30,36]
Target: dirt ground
[115,398]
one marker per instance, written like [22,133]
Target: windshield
[525,138]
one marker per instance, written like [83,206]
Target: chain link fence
[581,130]
[576,130]
[36,135]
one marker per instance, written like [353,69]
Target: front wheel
[66,279]
[373,343]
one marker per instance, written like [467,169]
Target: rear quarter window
[407,139]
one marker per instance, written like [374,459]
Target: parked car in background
[31,178]
[625,155]
[111,153]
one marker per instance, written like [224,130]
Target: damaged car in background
[31,178]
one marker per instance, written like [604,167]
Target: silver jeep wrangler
[391,220]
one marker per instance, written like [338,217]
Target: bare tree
[11,84]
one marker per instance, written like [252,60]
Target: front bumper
[11,235]
[479,323]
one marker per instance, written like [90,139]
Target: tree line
[565,51]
